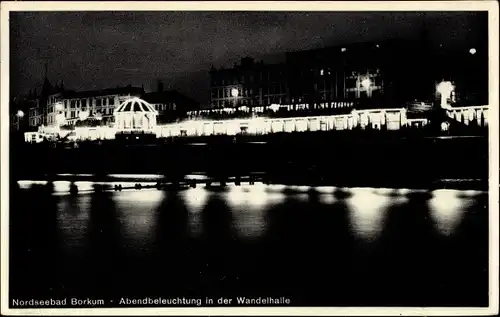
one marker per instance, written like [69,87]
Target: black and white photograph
[255,158]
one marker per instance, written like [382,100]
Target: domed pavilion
[135,116]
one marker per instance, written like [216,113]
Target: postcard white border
[490,6]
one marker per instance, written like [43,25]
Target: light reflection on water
[136,209]
[72,220]
[367,209]
[447,209]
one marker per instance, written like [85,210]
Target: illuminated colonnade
[392,119]
[467,115]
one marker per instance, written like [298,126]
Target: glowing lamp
[20,114]
[445,88]
[274,107]
[472,51]
[444,126]
[58,106]
[366,83]
[234,92]
[83,115]
[98,116]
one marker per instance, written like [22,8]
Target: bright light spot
[276,188]
[366,83]
[445,126]
[447,210]
[445,88]
[195,198]
[253,196]
[343,49]
[234,92]
[322,72]
[60,118]
[28,184]
[367,212]
[59,106]
[136,176]
[325,189]
[20,113]
[83,115]
[148,196]
[61,186]
[403,191]
[84,186]
[274,107]
[472,51]
[383,191]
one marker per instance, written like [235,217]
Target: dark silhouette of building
[171,104]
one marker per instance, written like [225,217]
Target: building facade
[361,74]
[171,105]
[249,84]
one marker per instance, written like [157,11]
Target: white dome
[135,105]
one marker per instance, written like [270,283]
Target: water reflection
[195,200]
[137,210]
[273,238]
[248,205]
[367,212]
[72,221]
[447,210]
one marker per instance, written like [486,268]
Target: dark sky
[90,50]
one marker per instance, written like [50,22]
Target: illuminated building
[135,116]
[98,104]
[248,84]
[370,74]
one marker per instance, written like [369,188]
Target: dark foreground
[352,160]
[364,247]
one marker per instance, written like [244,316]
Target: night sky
[93,50]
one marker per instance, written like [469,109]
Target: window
[73,103]
[99,102]
[111,101]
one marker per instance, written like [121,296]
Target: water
[316,246]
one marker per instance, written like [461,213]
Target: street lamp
[445,89]
[472,51]
[366,83]
[234,93]
[19,115]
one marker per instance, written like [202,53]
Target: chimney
[160,86]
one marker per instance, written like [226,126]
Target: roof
[135,105]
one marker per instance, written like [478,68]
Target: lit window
[343,49]
[322,72]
